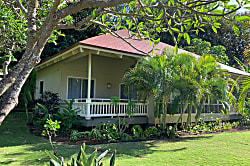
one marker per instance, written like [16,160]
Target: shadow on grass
[6,162]
[29,149]
[16,142]
[141,148]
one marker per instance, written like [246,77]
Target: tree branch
[76,7]
[78,25]
[25,11]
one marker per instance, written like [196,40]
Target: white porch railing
[103,107]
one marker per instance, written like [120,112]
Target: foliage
[244,80]
[12,28]
[213,126]
[170,132]
[50,129]
[179,81]
[232,35]
[82,159]
[26,97]
[125,137]
[42,115]
[50,100]
[75,134]
[201,47]
[114,100]
[122,123]
[153,76]
[152,131]
[68,116]
[245,121]
[96,134]
[110,132]
[137,131]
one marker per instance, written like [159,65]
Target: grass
[19,147]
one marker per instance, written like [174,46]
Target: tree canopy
[36,22]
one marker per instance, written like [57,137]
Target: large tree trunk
[10,97]
[10,87]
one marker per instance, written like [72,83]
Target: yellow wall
[104,70]
[51,77]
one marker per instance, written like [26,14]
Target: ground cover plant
[19,147]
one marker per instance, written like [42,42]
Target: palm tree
[185,68]
[154,76]
[244,84]
[214,83]
[178,81]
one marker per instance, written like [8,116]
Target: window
[78,88]
[41,87]
[131,92]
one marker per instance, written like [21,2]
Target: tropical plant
[68,116]
[75,134]
[176,81]
[125,137]
[152,131]
[154,76]
[137,131]
[27,94]
[214,84]
[110,131]
[50,100]
[96,134]
[186,73]
[122,123]
[50,129]
[42,115]
[244,86]
[82,159]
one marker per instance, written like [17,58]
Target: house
[91,72]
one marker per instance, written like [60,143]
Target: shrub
[75,135]
[50,129]
[42,115]
[50,100]
[125,137]
[110,132]
[96,135]
[152,131]
[137,131]
[68,116]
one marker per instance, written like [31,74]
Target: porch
[98,107]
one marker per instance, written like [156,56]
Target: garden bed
[60,139]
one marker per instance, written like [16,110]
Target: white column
[89,88]
[89,77]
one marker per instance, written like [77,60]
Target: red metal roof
[108,41]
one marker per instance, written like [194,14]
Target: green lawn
[19,147]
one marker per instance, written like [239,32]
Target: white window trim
[86,78]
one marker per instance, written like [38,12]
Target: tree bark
[10,98]
[5,66]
